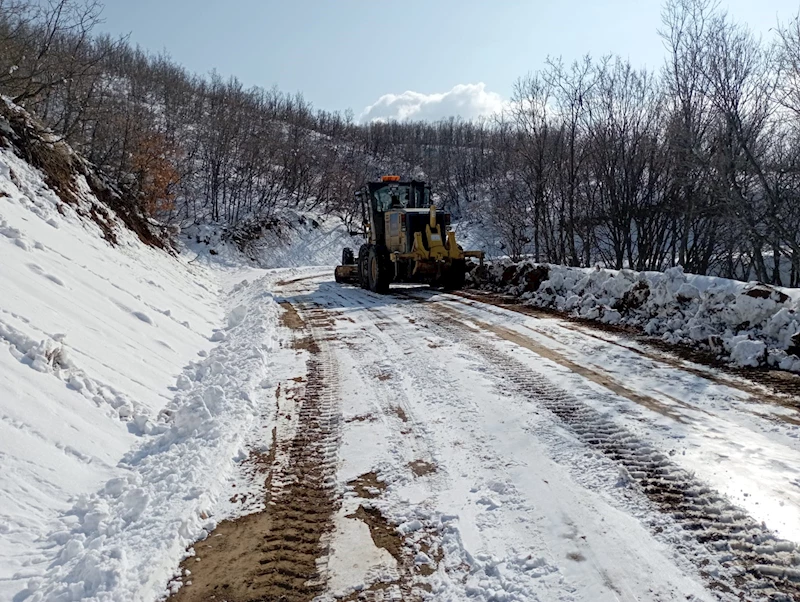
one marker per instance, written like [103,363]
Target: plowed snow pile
[117,399]
[749,324]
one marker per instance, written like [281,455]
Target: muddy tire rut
[763,384]
[280,553]
[756,565]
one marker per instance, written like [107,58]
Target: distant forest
[595,162]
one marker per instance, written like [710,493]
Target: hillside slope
[92,337]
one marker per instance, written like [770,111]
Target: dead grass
[61,168]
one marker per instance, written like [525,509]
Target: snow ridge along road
[427,451]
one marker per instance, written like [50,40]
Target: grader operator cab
[408,240]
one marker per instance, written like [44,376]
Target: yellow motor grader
[409,240]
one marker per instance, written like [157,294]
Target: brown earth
[421,468]
[290,318]
[386,536]
[400,413]
[367,486]
[275,554]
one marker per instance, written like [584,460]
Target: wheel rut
[771,386]
[755,565]
[281,553]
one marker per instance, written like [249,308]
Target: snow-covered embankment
[120,416]
[749,324]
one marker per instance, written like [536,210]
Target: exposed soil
[385,535]
[290,318]
[276,554]
[400,413]
[422,468]
[293,280]
[368,486]
[362,418]
[258,463]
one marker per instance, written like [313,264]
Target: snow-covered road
[455,449]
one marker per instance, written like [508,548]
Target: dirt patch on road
[410,583]
[368,486]
[362,418]
[277,554]
[383,534]
[290,318]
[400,413]
[300,279]
[422,468]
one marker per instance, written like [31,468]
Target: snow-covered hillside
[92,337]
[298,239]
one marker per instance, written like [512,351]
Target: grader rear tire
[456,276]
[347,256]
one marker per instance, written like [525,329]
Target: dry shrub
[42,150]
[153,162]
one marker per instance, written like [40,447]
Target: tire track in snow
[424,539]
[762,386]
[530,575]
[374,355]
[760,565]
[281,553]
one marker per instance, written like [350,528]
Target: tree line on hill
[696,163]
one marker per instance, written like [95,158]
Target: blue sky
[350,53]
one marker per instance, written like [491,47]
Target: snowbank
[749,324]
[124,542]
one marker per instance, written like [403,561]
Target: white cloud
[464,100]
